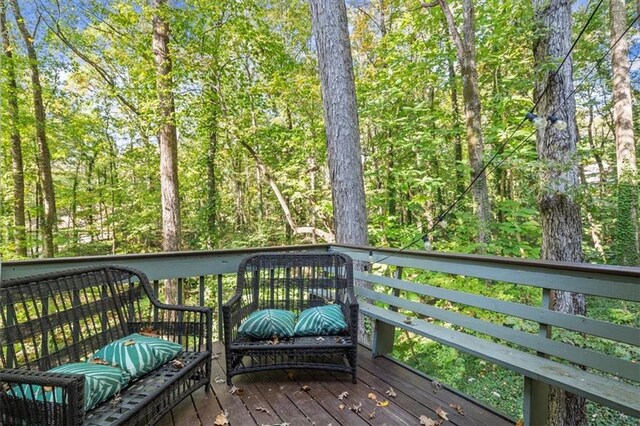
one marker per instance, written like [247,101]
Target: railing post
[536,393]
[384,334]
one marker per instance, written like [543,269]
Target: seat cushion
[321,321]
[101,382]
[136,354]
[165,350]
[266,323]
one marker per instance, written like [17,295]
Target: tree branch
[326,236]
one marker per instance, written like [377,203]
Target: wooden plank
[238,413]
[328,411]
[392,414]
[536,342]
[275,387]
[610,392]
[417,394]
[619,333]
[259,407]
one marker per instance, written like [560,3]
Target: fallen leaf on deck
[130,342]
[372,396]
[356,408]
[290,376]
[221,419]
[262,409]
[382,403]
[219,381]
[426,421]
[236,391]
[306,388]
[442,413]
[372,415]
[458,408]
[116,399]
[391,393]
[215,356]
[341,406]
[343,395]
[436,386]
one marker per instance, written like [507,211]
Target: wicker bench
[63,317]
[293,282]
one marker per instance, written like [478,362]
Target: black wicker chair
[294,282]
[48,320]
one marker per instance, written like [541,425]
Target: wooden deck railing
[401,294]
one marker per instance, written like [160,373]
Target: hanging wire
[440,218]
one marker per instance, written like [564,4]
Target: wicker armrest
[17,409]
[230,318]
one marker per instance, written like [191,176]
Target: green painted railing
[399,293]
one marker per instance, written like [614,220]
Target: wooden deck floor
[276,398]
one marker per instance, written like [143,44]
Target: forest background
[251,146]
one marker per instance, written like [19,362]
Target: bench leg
[383,337]
[536,402]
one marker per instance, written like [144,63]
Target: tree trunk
[559,174]
[49,222]
[16,142]
[457,144]
[335,65]
[466,54]
[168,139]
[627,249]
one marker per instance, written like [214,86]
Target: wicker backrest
[294,281]
[47,320]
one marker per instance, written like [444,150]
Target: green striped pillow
[101,382]
[266,323]
[165,350]
[321,321]
[135,358]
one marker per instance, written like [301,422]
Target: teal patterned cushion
[321,321]
[266,323]
[136,358]
[101,382]
[165,350]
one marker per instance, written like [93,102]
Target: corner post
[536,393]
[384,334]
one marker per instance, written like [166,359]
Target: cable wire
[441,217]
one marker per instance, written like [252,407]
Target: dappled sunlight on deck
[277,397]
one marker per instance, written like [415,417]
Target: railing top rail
[388,255]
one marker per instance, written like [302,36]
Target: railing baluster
[201,290]
[219,297]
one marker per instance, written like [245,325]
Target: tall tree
[16,141]
[335,66]
[465,46]
[627,249]
[559,173]
[167,137]
[49,223]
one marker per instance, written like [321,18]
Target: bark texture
[49,222]
[559,173]
[167,136]
[17,167]
[335,65]
[627,167]
[466,54]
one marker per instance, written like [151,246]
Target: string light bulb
[557,123]
[540,123]
[427,243]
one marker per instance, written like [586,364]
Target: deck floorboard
[277,398]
